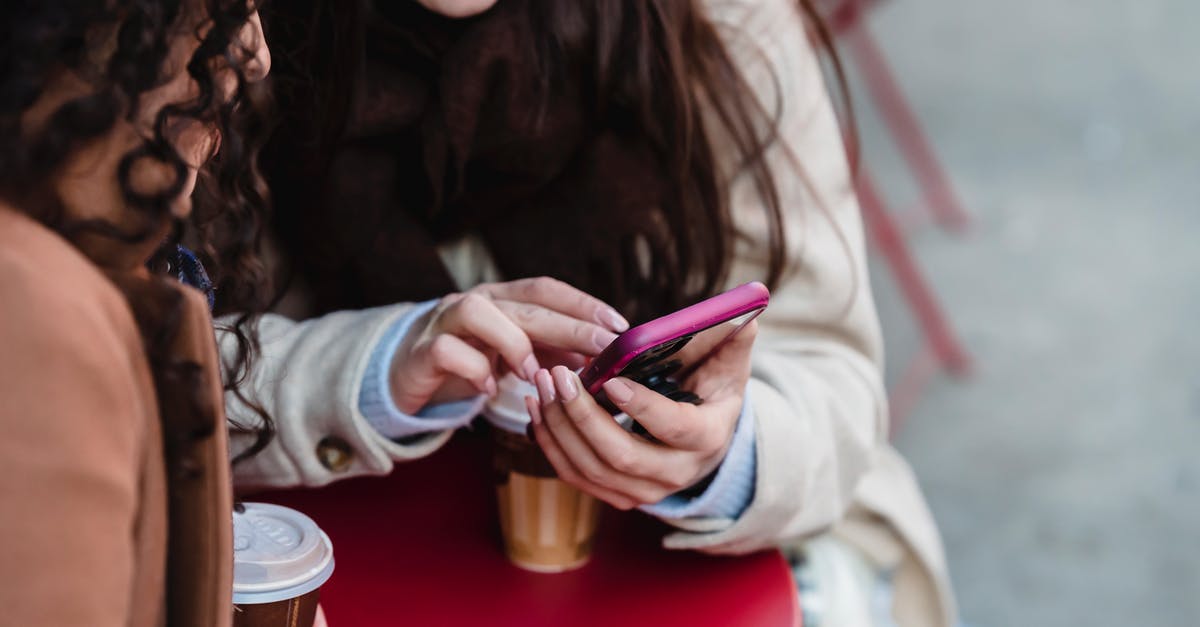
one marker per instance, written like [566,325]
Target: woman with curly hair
[121,137]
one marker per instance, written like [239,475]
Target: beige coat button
[335,454]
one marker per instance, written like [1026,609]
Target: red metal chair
[847,20]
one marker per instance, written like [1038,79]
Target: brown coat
[84,521]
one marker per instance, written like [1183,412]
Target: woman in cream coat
[822,471]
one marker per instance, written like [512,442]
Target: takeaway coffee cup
[547,525]
[280,561]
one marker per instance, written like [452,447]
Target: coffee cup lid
[278,553]
[507,409]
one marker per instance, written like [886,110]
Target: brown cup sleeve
[298,611]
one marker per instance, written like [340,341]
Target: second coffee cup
[281,560]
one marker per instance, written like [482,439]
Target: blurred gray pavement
[1065,473]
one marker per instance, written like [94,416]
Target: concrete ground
[1065,473]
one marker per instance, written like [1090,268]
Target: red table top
[422,547]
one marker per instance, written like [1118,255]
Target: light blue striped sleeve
[375,392]
[731,489]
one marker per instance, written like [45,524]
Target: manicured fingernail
[618,391]
[545,386]
[490,386]
[535,413]
[529,367]
[603,338]
[565,382]
[613,320]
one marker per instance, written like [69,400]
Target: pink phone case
[743,299]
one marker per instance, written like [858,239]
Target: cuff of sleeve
[375,392]
[731,489]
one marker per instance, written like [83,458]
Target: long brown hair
[570,135]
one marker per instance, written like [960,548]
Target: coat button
[335,454]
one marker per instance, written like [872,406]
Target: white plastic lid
[278,553]
[507,410]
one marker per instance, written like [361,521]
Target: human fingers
[558,296]
[562,465]
[680,425]
[476,316]
[635,479]
[417,376]
[550,328]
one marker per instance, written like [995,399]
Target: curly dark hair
[121,48]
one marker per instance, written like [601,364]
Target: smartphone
[663,352]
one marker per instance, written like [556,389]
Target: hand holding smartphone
[683,445]
[663,352]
